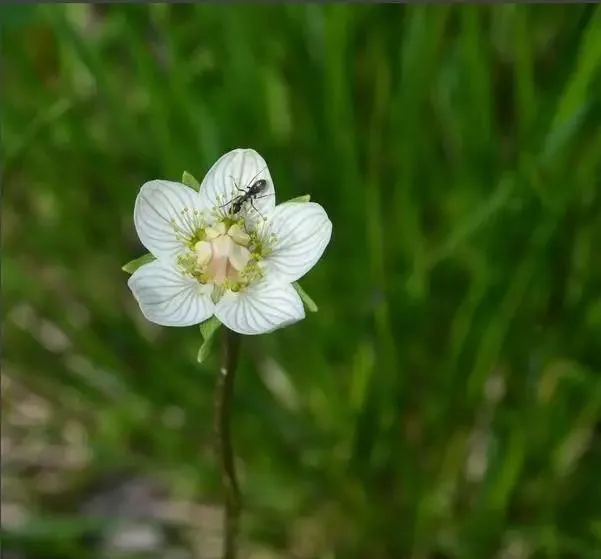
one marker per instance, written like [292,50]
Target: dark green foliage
[457,151]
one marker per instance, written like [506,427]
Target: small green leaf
[207,329]
[309,303]
[305,198]
[190,181]
[204,351]
[133,265]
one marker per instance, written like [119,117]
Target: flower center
[226,256]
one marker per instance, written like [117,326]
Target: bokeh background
[445,401]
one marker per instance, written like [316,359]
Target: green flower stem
[223,441]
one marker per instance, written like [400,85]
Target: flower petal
[297,234]
[231,175]
[166,215]
[167,297]
[262,308]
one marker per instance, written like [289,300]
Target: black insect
[248,195]
[252,193]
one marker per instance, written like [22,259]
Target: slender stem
[223,440]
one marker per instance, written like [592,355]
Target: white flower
[212,259]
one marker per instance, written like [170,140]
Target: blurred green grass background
[445,402]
